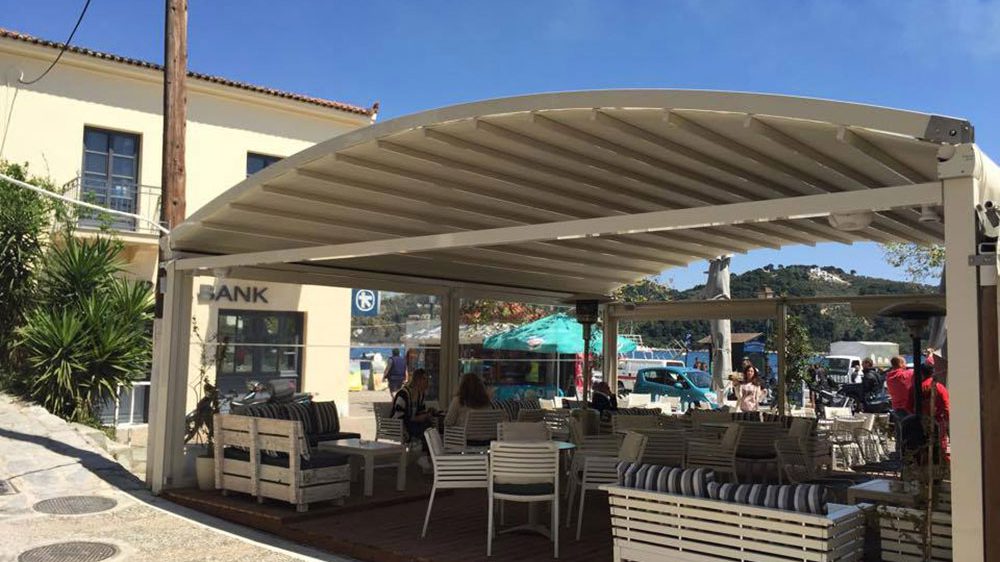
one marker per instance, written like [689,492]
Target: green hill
[825,324]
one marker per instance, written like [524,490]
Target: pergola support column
[451,307]
[609,349]
[169,384]
[780,337]
[962,321]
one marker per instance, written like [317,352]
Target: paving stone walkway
[43,457]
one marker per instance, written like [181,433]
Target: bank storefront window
[260,346]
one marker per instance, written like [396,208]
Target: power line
[64,47]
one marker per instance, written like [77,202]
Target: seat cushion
[304,413]
[272,411]
[317,459]
[538,489]
[327,419]
[320,437]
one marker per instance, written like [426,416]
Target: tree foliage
[922,263]
[89,332]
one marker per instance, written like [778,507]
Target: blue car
[692,386]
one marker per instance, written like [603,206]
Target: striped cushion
[325,414]
[636,412]
[304,414]
[727,492]
[653,476]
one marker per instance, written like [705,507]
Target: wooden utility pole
[174,113]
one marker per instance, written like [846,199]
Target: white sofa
[652,526]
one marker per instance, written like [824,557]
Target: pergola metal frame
[552,197]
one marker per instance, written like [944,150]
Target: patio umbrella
[558,333]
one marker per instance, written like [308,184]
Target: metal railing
[129,407]
[124,196]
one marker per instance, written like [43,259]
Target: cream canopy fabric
[546,159]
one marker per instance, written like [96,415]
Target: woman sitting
[602,398]
[472,395]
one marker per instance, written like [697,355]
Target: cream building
[94,124]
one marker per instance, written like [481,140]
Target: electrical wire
[64,47]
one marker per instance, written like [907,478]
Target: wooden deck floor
[386,527]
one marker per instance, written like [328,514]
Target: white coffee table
[368,451]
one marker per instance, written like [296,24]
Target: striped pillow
[304,414]
[325,414]
[727,492]
[653,476]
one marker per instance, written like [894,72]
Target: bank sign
[364,302]
[232,293]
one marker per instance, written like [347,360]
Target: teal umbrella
[559,333]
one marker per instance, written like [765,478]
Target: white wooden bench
[654,526]
[901,538]
[245,461]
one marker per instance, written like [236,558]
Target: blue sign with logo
[364,302]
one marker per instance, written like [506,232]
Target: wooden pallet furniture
[900,534]
[270,458]
[652,526]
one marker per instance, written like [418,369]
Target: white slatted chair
[523,472]
[599,470]
[547,403]
[452,471]
[664,446]
[526,415]
[558,422]
[719,454]
[625,423]
[832,413]
[480,428]
[387,428]
[523,431]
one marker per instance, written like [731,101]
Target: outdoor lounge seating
[320,420]
[664,446]
[756,445]
[452,471]
[650,525]
[269,458]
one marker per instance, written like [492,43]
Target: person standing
[942,400]
[750,393]
[395,372]
[899,384]
[855,375]
[749,370]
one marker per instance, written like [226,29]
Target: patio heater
[586,314]
[916,316]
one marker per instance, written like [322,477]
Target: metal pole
[781,329]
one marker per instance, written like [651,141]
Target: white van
[627,368]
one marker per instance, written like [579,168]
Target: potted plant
[199,423]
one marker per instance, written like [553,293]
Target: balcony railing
[124,196]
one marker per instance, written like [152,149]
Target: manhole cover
[77,551]
[6,488]
[75,505]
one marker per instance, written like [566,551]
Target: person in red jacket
[899,384]
[942,400]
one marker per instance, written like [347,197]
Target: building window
[257,162]
[260,345]
[111,173]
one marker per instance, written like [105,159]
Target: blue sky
[940,56]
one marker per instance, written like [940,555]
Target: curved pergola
[554,196]
[638,181]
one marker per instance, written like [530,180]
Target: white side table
[368,451]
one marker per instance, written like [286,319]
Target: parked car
[690,385]
[627,369]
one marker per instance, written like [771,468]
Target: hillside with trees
[823,323]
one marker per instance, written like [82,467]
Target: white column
[451,305]
[169,385]
[609,349]
[962,321]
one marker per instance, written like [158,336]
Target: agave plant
[90,333]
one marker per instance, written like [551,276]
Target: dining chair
[387,428]
[479,430]
[529,415]
[452,471]
[526,473]
[599,470]
[523,431]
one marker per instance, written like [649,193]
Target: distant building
[94,124]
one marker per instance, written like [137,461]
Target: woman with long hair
[750,392]
[471,395]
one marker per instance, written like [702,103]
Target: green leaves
[90,331]
[921,263]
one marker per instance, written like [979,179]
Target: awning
[580,192]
